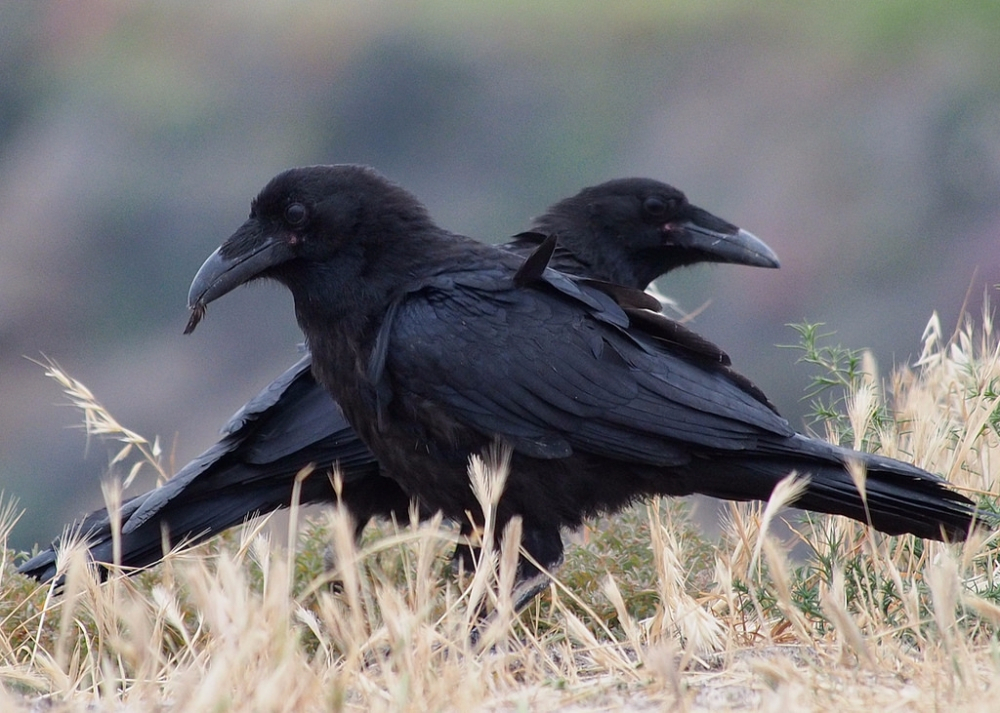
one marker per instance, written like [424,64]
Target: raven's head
[317,219]
[633,230]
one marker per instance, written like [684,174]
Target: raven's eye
[656,206]
[295,214]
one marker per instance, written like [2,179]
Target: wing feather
[556,371]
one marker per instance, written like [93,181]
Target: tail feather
[184,521]
[899,498]
[204,507]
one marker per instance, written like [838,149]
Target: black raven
[626,231]
[437,346]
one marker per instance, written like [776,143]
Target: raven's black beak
[229,267]
[720,241]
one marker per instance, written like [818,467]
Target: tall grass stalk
[821,613]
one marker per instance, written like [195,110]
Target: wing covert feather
[536,367]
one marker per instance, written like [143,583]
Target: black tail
[96,528]
[196,511]
[186,518]
[899,498]
[291,425]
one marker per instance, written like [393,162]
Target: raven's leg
[465,556]
[545,545]
[373,495]
[542,542]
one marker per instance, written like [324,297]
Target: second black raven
[437,346]
[626,231]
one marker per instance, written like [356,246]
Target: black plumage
[436,347]
[627,231]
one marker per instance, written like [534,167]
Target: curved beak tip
[221,274]
[756,251]
[197,313]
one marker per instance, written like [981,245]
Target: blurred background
[860,140]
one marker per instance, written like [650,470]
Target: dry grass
[646,613]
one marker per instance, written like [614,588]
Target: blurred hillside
[860,140]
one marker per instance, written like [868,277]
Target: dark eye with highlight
[295,214]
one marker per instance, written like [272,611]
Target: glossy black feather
[294,423]
[536,263]
[599,404]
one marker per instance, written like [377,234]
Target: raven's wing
[293,423]
[560,367]
[291,414]
[290,425]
